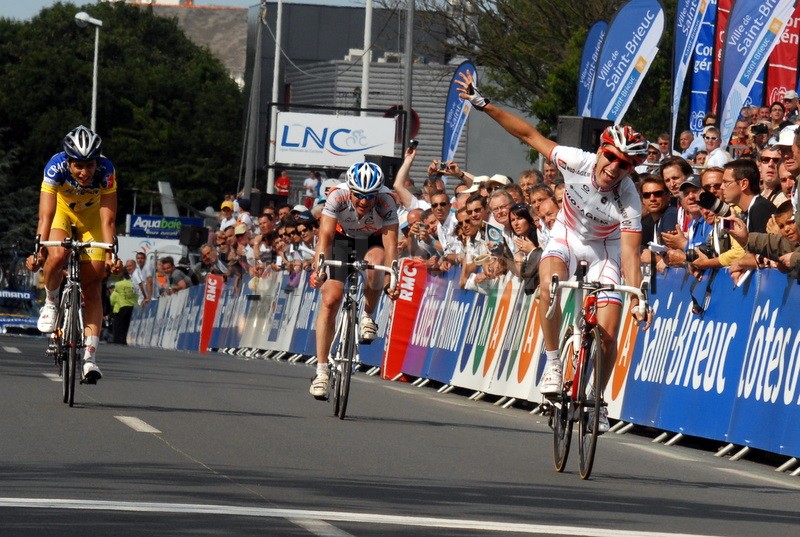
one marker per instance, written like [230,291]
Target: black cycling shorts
[349,249]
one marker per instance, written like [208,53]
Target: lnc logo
[337,142]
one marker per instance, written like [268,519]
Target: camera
[443,165]
[727,223]
[412,143]
[709,201]
[708,251]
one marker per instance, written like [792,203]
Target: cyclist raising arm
[79,189]
[359,217]
[600,222]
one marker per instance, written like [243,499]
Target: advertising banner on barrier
[372,354]
[159,227]
[509,289]
[413,277]
[260,294]
[213,290]
[331,140]
[766,410]
[304,333]
[688,361]
[505,379]
[427,325]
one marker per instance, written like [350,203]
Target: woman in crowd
[526,258]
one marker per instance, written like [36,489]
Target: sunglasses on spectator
[303,230]
[767,160]
[437,205]
[295,232]
[360,196]
[653,194]
[653,153]
[712,186]
[613,157]
[473,211]
[711,138]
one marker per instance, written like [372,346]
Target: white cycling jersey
[592,212]
[339,206]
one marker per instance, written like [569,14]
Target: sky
[25,9]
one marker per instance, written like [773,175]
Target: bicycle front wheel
[346,363]
[590,396]
[63,335]
[560,419]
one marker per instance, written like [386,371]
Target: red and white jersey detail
[591,212]
[339,206]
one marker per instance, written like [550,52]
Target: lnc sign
[337,141]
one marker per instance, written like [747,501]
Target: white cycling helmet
[81,143]
[365,177]
[627,140]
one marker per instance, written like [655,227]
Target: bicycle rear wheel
[346,362]
[74,343]
[560,419]
[63,327]
[590,395]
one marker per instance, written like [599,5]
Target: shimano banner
[753,31]
[588,69]
[455,113]
[702,66]
[628,51]
[689,18]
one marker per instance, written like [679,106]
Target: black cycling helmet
[81,143]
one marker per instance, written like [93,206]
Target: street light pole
[83,20]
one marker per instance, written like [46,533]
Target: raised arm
[402,174]
[514,125]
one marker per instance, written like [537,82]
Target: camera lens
[709,201]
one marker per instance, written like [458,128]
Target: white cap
[502,179]
[786,137]
[299,209]
[476,184]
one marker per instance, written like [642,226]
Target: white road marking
[660,451]
[319,527]
[137,425]
[772,480]
[55,377]
[334,516]
[12,350]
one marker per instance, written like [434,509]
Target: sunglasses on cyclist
[611,157]
[360,196]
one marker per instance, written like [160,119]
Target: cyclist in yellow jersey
[79,189]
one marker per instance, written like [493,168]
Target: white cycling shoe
[603,425]
[91,372]
[319,385]
[369,330]
[47,318]
[552,380]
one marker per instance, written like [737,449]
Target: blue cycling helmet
[365,177]
[81,143]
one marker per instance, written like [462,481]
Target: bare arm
[514,125]
[402,174]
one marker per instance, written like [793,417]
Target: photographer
[720,249]
[770,246]
[680,245]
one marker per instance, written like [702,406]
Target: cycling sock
[552,357]
[52,295]
[91,343]
[322,368]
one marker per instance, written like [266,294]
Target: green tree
[166,109]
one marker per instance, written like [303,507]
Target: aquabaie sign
[159,227]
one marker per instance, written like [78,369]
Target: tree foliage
[532,49]
[166,109]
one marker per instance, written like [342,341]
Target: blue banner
[455,113]
[756,97]
[588,68]
[702,70]
[754,28]
[161,227]
[627,54]
[688,21]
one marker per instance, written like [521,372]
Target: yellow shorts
[88,226]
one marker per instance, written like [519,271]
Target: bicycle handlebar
[597,287]
[393,271]
[70,244]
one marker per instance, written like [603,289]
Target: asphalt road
[175,443]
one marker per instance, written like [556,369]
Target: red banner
[723,11]
[413,276]
[214,286]
[782,67]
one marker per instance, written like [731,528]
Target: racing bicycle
[581,355]
[66,342]
[344,356]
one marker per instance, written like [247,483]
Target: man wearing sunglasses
[600,222]
[360,218]
[716,155]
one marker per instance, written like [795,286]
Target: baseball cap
[791,94]
[498,178]
[299,209]
[227,204]
[692,180]
[786,137]
[476,184]
[240,229]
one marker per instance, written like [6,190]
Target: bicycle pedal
[365,341]
[88,380]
